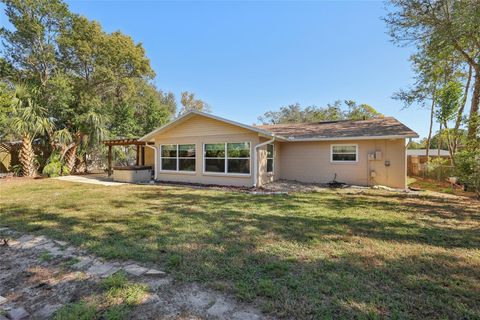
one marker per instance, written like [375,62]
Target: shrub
[55,167]
[467,167]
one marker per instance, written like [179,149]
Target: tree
[92,83]
[449,99]
[31,48]
[295,113]
[443,24]
[28,120]
[190,102]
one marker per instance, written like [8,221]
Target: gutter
[154,160]
[255,162]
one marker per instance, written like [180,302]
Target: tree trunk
[432,113]
[458,120]
[70,157]
[473,119]
[27,157]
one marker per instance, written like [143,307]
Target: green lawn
[311,255]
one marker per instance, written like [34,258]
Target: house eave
[293,139]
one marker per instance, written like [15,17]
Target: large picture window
[227,158]
[178,157]
[270,157]
[344,153]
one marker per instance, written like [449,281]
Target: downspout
[255,162]
[154,160]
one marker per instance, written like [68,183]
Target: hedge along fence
[439,169]
[439,172]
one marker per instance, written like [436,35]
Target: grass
[46,256]
[313,255]
[115,302]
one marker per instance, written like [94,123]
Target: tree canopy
[295,113]
[92,84]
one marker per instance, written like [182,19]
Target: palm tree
[28,120]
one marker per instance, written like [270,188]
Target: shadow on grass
[219,238]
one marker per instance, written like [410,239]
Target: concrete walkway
[100,179]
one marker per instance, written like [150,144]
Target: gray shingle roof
[379,127]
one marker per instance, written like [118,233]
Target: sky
[245,58]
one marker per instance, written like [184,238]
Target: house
[202,148]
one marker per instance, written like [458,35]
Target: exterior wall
[310,162]
[149,156]
[265,177]
[199,130]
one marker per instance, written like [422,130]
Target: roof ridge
[326,121]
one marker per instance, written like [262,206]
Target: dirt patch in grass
[330,254]
[439,187]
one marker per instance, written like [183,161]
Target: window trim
[226,173]
[272,158]
[343,145]
[177,159]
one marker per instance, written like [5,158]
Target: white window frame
[344,145]
[272,158]
[178,158]
[226,173]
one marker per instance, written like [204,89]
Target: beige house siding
[149,156]
[263,176]
[310,162]
[199,130]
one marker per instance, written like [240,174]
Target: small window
[227,158]
[178,157]
[270,157]
[344,153]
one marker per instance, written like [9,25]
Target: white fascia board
[291,139]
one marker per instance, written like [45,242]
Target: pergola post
[109,160]
[138,155]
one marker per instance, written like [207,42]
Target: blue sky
[245,58]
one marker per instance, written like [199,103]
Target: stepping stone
[157,283]
[135,269]
[200,299]
[243,315]
[25,238]
[37,241]
[17,314]
[83,263]
[47,311]
[60,243]
[155,272]
[2,300]
[219,308]
[102,269]
[52,248]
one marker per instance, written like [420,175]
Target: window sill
[233,175]
[191,173]
[343,162]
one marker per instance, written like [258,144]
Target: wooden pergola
[140,157]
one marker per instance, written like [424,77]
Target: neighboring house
[417,158]
[431,153]
[203,148]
